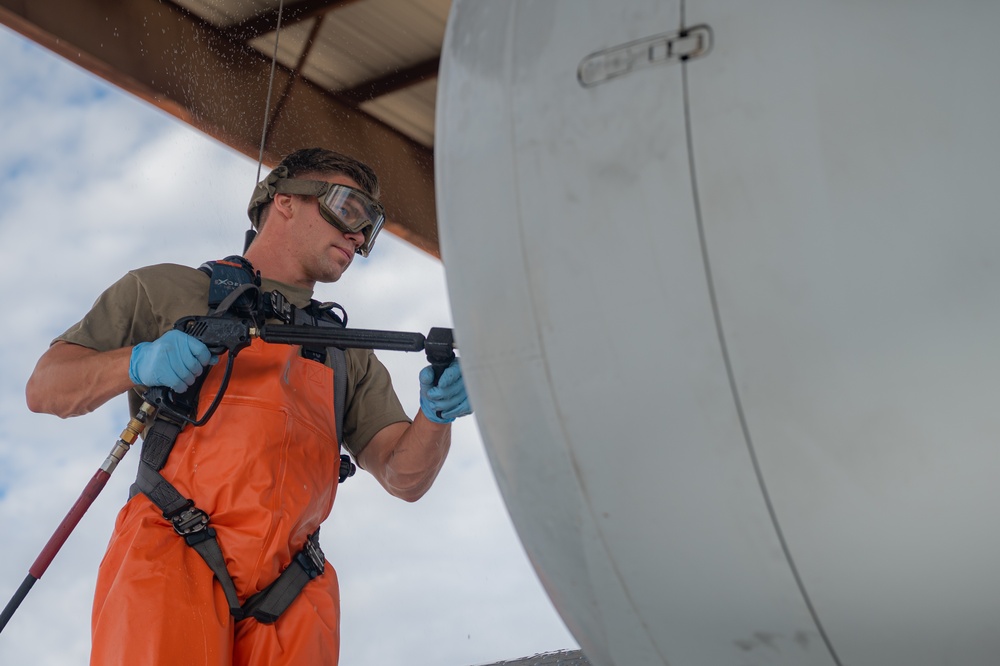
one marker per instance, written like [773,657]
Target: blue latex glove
[174,360]
[449,397]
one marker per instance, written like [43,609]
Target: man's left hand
[448,400]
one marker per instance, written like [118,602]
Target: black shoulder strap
[321,314]
[338,359]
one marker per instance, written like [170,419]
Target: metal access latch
[665,48]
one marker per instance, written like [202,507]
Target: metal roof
[381,55]
[359,76]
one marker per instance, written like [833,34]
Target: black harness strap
[192,523]
[267,605]
[159,442]
[228,278]
[339,362]
[321,314]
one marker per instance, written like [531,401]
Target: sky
[96,182]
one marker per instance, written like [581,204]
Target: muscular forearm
[70,380]
[406,458]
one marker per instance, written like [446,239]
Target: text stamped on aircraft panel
[660,49]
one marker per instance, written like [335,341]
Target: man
[263,471]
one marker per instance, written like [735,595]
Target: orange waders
[265,469]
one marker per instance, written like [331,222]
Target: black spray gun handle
[440,349]
[219,334]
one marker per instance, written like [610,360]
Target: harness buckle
[276,305]
[311,558]
[190,521]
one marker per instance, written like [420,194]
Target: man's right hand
[175,360]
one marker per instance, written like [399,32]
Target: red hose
[68,524]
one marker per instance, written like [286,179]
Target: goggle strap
[311,188]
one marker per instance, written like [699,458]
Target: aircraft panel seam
[731,376]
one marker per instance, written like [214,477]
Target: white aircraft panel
[848,158]
[482,75]
[588,339]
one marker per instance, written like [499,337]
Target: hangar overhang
[357,76]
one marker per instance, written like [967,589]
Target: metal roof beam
[404,78]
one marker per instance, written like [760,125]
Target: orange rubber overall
[265,469]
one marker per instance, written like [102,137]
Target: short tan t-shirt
[145,303]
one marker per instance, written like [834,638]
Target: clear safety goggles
[351,211]
[346,208]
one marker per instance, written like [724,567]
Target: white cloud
[94,183]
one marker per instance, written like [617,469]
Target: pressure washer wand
[438,344]
[232,334]
[94,487]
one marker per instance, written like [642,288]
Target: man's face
[324,251]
